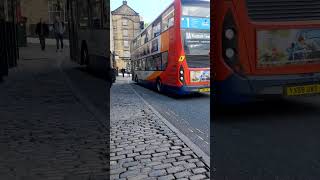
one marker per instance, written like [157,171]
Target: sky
[149,10]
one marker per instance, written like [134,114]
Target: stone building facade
[33,10]
[126,25]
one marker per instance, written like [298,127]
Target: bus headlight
[181,78]
[229,33]
[181,72]
[230,53]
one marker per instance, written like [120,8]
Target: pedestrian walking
[59,29]
[123,71]
[42,30]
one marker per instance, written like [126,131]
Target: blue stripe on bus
[195,23]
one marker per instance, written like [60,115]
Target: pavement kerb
[102,118]
[185,139]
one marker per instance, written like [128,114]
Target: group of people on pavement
[42,30]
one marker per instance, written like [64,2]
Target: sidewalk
[33,40]
[142,146]
[46,133]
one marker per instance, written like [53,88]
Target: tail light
[181,75]
[230,43]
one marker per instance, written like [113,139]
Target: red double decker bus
[172,53]
[265,48]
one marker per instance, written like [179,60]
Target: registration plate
[204,90]
[302,90]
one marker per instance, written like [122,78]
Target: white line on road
[199,131]
[200,137]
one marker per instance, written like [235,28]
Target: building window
[126,44]
[56,8]
[125,32]
[83,14]
[168,19]
[144,38]
[106,12]
[164,62]
[7,10]
[125,22]
[2,10]
[156,29]
[96,21]
[149,33]
[126,54]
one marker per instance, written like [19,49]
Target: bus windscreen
[196,42]
[195,31]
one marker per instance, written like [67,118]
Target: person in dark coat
[123,71]
[42,30]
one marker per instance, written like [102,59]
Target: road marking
[200,137]
[200,131]
[190,130]
[206,142]
[173,113]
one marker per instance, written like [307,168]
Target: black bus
[89,33]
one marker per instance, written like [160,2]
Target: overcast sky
[148,9]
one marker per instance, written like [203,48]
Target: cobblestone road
[45,132]
[142,146]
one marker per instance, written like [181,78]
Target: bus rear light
[229,34]
[181,75]
[230,53]
[230,42]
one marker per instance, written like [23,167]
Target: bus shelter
[8,36]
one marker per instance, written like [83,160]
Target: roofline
[112,12]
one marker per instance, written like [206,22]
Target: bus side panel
[220,69]
[167,76]
[245,34]
[176,49]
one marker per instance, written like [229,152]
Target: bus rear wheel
[159,85]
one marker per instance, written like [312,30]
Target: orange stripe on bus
[154,75]
[165,41]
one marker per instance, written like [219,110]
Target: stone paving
[142,146]
[45,132]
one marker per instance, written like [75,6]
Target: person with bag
[59,29]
